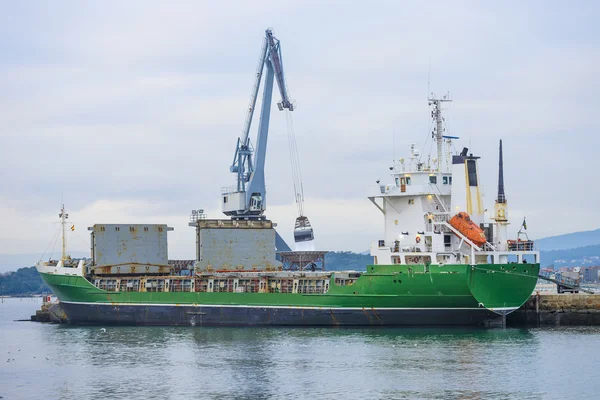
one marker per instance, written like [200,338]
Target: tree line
[22,282]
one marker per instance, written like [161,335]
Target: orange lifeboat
[462,223]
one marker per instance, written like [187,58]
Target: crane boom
[254,95]
[248,198]
[276,60]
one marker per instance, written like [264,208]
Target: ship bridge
[434,211]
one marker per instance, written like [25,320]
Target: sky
[129,112]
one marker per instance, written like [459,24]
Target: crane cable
[295,162]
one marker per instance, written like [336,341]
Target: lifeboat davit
[462,223]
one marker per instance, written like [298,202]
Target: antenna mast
[63,220]
[436,114]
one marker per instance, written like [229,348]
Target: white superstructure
[425,193]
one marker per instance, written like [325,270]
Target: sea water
[46,361]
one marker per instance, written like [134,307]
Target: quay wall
[557,310]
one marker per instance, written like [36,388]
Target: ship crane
[247,200]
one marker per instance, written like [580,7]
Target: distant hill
[347,260]
[569,241]
[580,256]
[24,281]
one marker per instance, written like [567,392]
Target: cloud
[133,109]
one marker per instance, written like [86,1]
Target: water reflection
[286,361]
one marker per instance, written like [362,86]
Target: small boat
[462,223]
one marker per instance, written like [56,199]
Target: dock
[557,310]
[50,311]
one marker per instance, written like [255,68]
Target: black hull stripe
[106,314]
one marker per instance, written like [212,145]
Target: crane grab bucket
[303,231]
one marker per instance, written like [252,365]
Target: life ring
[418,239]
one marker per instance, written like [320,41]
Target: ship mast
[438,132]
[501,196]
[501,206]
[63,220]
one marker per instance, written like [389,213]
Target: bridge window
[432,179]
[411,201]
[445,180]
[397,182]
[408,180]
[224,199]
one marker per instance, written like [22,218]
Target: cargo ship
[439,262]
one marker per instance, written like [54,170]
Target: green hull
[383,288]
